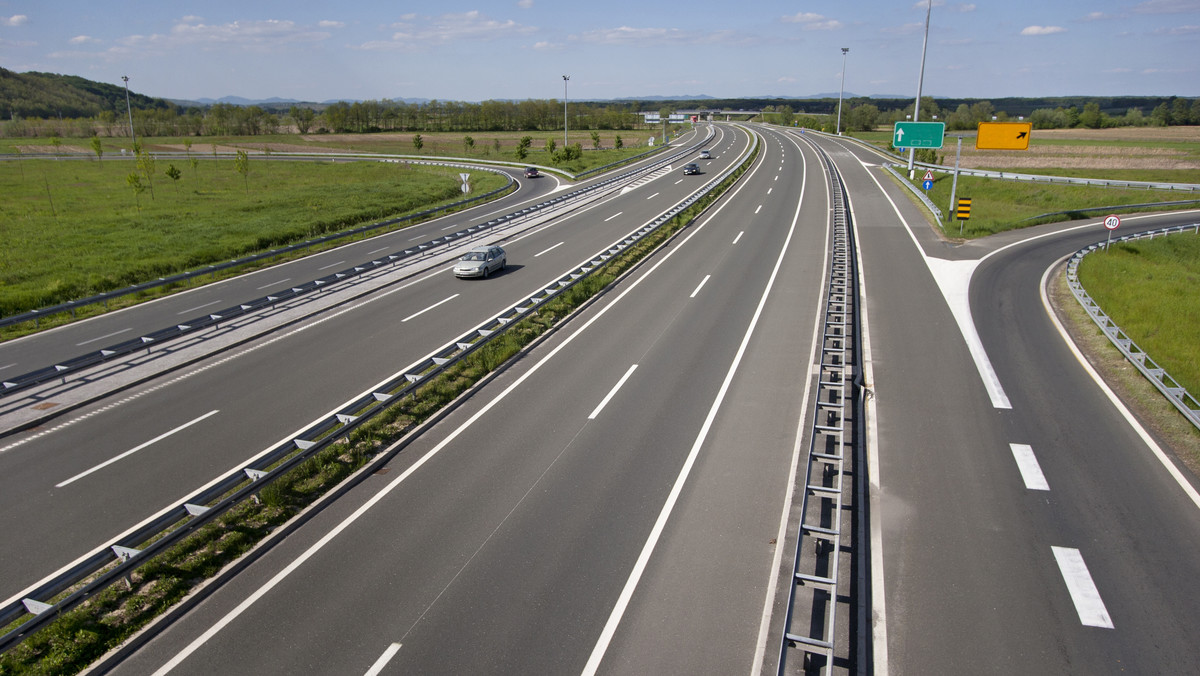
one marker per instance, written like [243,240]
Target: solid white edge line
[1134,424]
[131,451]
[317,546]
[386,657]
[635,575]
[612,393]
[421,312]
[700,286]
[1082,588]
[1027,464]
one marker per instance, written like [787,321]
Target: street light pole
[920,81]
[129,110]
[841,89]
[565,78]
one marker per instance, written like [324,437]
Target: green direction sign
[918,134]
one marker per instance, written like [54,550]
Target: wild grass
[72,228]
[1149,288]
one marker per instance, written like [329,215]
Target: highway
[1026,525]
[658,427]
[98,471]
[618,500]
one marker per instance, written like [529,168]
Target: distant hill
[48,95]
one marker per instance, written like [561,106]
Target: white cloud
[812,21]
[1042,30]
[1167,7]
[331,24]
[545,46]
[1097,16]
[1178,30]
[525,4]
[452,27]
[83,40]
[256,35]
[14,20]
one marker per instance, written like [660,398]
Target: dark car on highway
[531,172]
[691,168]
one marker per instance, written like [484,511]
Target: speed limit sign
[1112,222]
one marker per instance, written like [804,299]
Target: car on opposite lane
[481,261]
[705,155]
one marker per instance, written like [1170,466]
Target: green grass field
[72,228]
[1149,288]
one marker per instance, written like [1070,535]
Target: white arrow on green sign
[918,134]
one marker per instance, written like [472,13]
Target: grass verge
[1175,432]
[75,228]
[1148,287]
[78,637]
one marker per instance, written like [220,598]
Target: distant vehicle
[705,155]
[481,262]
[531,172]
[691,168]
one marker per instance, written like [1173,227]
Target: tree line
[864,115]
[223,119]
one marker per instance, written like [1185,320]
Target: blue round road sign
[927,184]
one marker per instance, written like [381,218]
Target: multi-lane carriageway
[617,501]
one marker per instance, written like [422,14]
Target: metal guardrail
[67,367]
[919,193]
[115,561]
[811,623]
[1183,400]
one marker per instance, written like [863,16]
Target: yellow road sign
[963,211]
[1003,136]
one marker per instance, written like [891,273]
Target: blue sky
[520,49]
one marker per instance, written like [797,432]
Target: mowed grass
[1150,289]
[74,227]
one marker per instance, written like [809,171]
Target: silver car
[481,262]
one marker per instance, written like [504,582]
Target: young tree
[551,145]
[523,147]
[57,143]
[468,144]
[496,145]
[135,181]
[97,148]
[618,143]
[145,164]
[596,140]
[242,164]
[173,173]
[418,142]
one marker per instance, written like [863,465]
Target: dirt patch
[1125,134]
[62,150]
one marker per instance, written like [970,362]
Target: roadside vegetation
[79,637]
[1149,288]
[79,227]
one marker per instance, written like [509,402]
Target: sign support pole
[954,185]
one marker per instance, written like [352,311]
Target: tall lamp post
[129,110]
[912,152]
[565,78]
[845,50]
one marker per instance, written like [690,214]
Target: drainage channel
[821,633]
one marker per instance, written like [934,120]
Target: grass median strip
[79,636]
